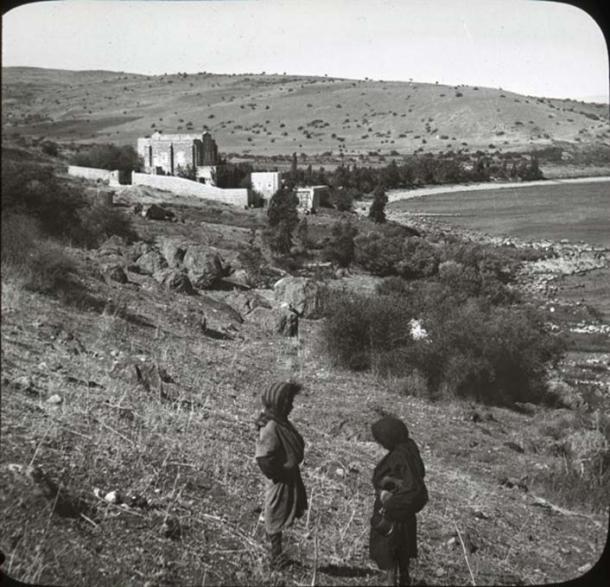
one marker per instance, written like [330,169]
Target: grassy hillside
[127,422]
[277,114]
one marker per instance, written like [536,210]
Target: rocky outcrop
[156,212]
[174,280]
[204,266]
[302,294]
[150,263]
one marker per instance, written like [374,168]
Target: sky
[532,47]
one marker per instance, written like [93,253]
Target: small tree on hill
[377,209]
[340,247]
[283,218]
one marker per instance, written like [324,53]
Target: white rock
[112,497]
[55,399]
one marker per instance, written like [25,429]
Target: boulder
[156,212]
[240,278]
[137,250]
[302,294]
[204,266]
[173,251]
[151,262]
[246,301]
[174,280]
[115,273]
[113,245]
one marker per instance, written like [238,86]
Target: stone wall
[187,187]
[95,174]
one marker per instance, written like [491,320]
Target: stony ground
[174,439]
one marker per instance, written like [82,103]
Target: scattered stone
[439,572]
[113,245]
[150,262]
[115,273]
[172,251]
[511,482]
[514,446]
[113,497]
[481,515]
[137,501]
[174,280]
[25,383]
[353,468]
[156,212]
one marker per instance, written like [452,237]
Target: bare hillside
[277,114]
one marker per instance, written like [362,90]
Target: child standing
[279,451]
[399,494]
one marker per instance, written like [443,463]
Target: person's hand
[385,495]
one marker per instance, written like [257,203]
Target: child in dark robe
[279,451]
[394,542]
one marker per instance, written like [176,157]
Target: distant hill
[278,114]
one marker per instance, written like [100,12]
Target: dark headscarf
[389,432]
[276,400]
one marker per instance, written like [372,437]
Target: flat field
[577,212]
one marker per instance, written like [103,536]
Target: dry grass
[180,457]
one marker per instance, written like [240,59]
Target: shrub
[109,157]
[419,258]
[50,148]
[377,209]
[359,330]
[492,354]
[99,222]
[29,259]
[339,249]
[377,253]
[58,209]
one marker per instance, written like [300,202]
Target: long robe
[402,542]
[281,447]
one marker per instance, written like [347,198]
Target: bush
[109,157]
[283,218]
[418,259]
[495,355]
[360,331]
[378,254]
[29,260]
[339,249]
[59,210]
[98,222]
[391,253]
[377,209]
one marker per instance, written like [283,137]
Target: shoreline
[406,194]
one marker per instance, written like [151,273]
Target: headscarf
[389,432]
[276,400]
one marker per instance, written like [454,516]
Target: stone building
[310,197]
[265,183]
[176,154]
